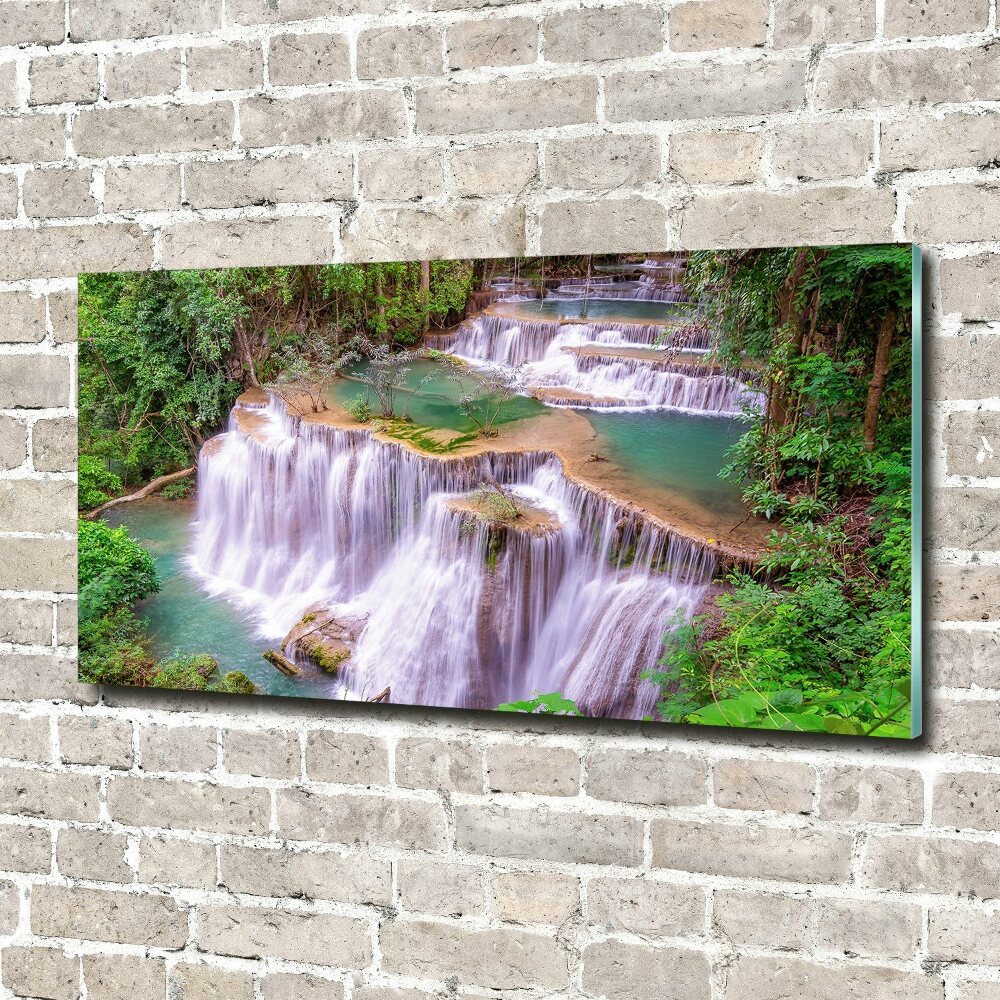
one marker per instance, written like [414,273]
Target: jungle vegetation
[818,638]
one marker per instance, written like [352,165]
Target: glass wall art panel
[676,487]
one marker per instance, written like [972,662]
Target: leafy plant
[359,408]
[542,704]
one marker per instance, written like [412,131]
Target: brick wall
[156,845]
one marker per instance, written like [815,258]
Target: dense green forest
[818,636]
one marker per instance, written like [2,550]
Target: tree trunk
[282,663]
[877,384]
[425,293]
[156,484]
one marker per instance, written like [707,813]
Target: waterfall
[457,612]
[511,341]
[547,353]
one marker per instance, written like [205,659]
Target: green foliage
[113,569]
[542,704]
[484,391]
[359,408]
[180,490]
[97,483]
[820,639]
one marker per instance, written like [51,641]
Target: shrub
[96,482]
[359,408]
[113,569]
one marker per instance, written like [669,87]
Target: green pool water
[682,452]
[600,309]
[182,617]
[431,398]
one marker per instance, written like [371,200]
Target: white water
[545,352]
[298,512]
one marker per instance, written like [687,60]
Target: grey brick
[28,675]
[347,758]
[37,564]
[449,765]
[355,114]
[225,67]
[751,850]
[503,104]
[823,152]
[23,318]
[392,821]
[188,805]
[13,443]
[971,285]
[935,143]
[25,621]
[716,157]
[484,171]
[402,174]
[903,77]
[916,18]
[933,864]
[309,59]
[178,748]
[268,753]
[54,445]
[46,973]
[759,978]
[605,161]
[96,740]
[952,212]
[782,786]
[759,218]
[209,982]
[172,128]
[54,194]
[508,41]
[594,34]
[440,888]
[507,832]
[41,22]
[99,915]
[658,777]
[966,726]
[962,659]
[284,11]
[142,74]
[763,919]
[879,929]
[708,90]
[59,250]
[539,770]
[646,906]
[316,938]
[534,897]
[413,50]
[623,970]
[94,19]
[290,986]
[34,139]
[49,795]
[964,934]
[962,593]
[620,225]
[25,849]
[811,22]
[247,243]
[871,795]
[62,79]
[142,187]
[967,800]
[700,25]
[173,861]
[350,877]
[319,177]
[496,959]
[93,854]
[39,505]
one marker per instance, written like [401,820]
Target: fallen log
[381,696]
[152,487]
[284,664]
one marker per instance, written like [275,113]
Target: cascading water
[456,611]
[547,352]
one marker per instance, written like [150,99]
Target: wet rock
[323,637]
